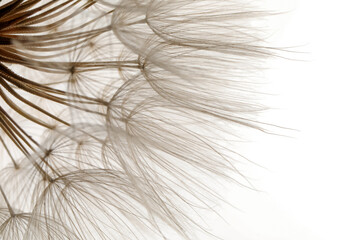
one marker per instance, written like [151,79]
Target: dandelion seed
[111,112]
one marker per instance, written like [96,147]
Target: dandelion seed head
[112,112]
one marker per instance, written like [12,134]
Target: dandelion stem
[11,211]
[94,65]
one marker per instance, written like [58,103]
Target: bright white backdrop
[311,185]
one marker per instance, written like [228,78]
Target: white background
[311,184]
[311,187]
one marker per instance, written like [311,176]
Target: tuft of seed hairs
[116,115]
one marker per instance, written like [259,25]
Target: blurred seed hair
[119,118]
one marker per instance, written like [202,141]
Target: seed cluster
[116,117]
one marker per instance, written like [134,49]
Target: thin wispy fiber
[117,116]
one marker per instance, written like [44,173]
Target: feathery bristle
[113,114]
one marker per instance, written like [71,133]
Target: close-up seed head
[115,115]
